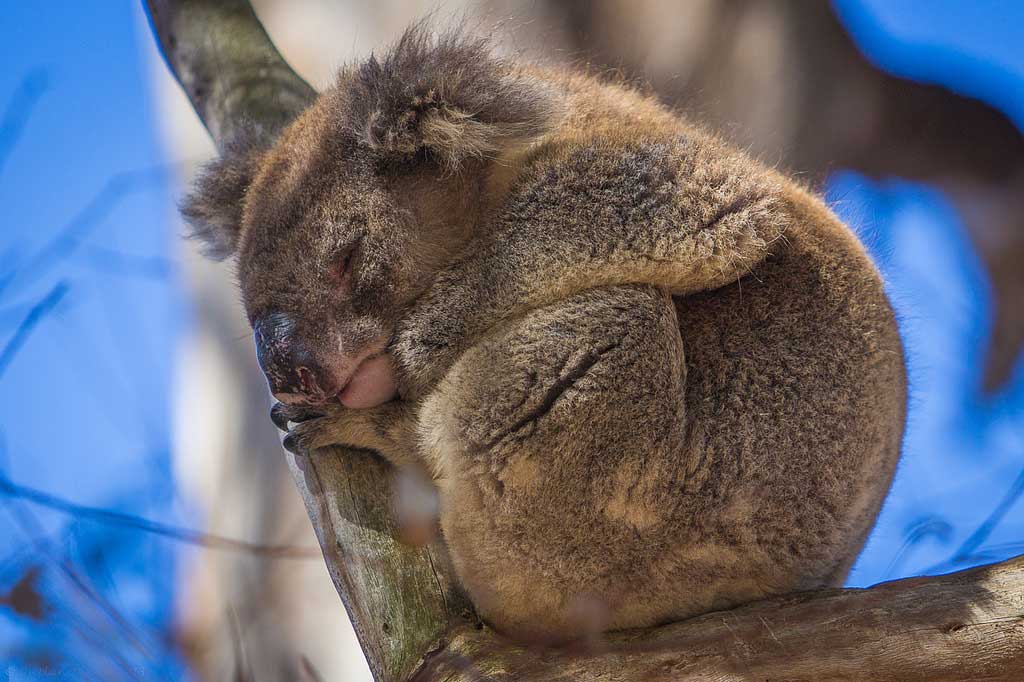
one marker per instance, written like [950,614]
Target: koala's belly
[590,466]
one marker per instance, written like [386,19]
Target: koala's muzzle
[292,371]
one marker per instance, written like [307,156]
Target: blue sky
[86,399]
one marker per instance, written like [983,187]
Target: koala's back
[795,397]
[801,351]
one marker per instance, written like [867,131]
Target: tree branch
[225,62]
[962,626]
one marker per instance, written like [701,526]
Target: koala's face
[337,239]
[323,269]
[342,223]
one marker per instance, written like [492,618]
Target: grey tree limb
[227,65]
[962,626]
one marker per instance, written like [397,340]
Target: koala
[638,366]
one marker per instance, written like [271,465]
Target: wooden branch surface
[401,599]
[952,628]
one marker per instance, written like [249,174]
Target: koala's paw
[308,427]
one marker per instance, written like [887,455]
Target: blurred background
[149,529]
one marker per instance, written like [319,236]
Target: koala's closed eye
[344,264]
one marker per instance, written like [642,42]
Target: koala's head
[342,222]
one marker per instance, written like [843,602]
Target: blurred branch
[19,109]
[71,236]
[225,62]
[978,537]
[930,526]
[32,530]
[10,489]
[32,319]
[116,262]
[242,671]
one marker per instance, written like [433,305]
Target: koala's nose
[291,369]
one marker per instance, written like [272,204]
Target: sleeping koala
[638,365]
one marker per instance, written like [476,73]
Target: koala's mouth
[372,383]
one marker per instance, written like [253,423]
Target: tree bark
[962,626]
[401,599]
[225,62]
[410,617]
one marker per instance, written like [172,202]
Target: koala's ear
[213,209]
[450,96]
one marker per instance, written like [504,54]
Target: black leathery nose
[288,366]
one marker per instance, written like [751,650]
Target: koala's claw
[290,445]
[281,414]
[307,421]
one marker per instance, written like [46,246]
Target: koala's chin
[372,384]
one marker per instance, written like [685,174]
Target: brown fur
[639,365]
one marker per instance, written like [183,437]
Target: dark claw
[279,415]
[290,445]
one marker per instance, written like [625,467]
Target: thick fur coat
[642,369]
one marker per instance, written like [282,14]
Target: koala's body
[640,367]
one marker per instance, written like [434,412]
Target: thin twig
[10,489]
[981,534]
[932,526]
[31,528]
[72,235]
[115,262]
[19,109]
[39,311]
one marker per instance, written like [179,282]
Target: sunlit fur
[642,368]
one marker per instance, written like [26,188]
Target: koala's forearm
[685,216]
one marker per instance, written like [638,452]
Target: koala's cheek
[372,384]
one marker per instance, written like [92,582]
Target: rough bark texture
[401,599]
[411,619]
[962,626]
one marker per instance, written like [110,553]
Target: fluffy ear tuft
[213,209]
[449,95]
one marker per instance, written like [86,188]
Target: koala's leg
[557,443]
